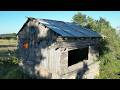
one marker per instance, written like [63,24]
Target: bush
[110,45]
[9,60]
[9,69]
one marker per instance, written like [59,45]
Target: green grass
[6,46]
[109,67]
[12,71]
[110,71]
[8,42]
[9,68]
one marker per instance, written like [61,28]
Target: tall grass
[9,68]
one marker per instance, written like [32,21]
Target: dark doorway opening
[77,55]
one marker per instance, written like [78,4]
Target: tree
[80,19]
[110,45]
[91,24]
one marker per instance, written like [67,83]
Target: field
[9,68]
[6,46]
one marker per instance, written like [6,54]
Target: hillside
[8,36]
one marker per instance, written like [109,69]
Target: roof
[66,29]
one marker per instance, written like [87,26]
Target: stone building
[58,50]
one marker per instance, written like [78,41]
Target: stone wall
[89,72]
[87,69]
[49,57]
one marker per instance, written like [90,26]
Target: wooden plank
[76,43]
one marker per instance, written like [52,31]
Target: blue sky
[12,21]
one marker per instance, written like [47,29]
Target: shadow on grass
[9,68]
[12,71]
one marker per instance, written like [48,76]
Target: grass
[109,67]
[8,42]
[12,71]
[6,46]
[110,71]
[9,68]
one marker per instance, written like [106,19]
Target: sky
[12,21]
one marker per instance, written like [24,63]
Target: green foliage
[9,60]
[80,19]
[9,68]
[110,67]
[110,45]
[12,71]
